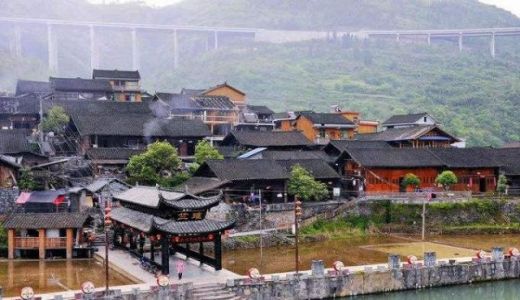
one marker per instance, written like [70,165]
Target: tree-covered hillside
[473,95]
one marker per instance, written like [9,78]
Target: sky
[511,5]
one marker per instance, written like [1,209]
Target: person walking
[180,266]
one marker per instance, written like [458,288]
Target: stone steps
[212,292]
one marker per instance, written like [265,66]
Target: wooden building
[125,84]
[241,141]
[236,96]
[9,168]
[131,125]
[249,175]
[255,118]
[410,120]
[79,89]
[16,143]
[110,161]
[169,221]
[219,113]
[21,112]
[428,136]
[383,169]
[44,235]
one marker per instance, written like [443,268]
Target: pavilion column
[152,251]
[141,245]
[41,243]
[69,242]
[218,252]
[165,255]
[10,243]
[201,251]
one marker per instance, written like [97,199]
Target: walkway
[124,262]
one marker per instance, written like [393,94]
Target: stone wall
[7,200]
[383,279]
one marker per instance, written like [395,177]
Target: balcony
[34,242]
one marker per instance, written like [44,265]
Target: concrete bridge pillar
[429,39]
[16,42]
[52,49]
[492,45]
[216,40]
[460,42]
[397,37]
[94,55]
[135,50]
[175,50]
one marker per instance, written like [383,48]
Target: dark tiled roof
[190,202]
[146,223]
[179,101]
[115,74]
[100,107]
[465,157]
[260,109]
[115,184]
[289,155]
[355,144]
[191,92]
[317,167]
[395,158]
[10,161]
[267,138]
[80,85]
[242,169]
[14,141]
[508,159]
[192,227]
[32,87]
[401,134]
[214,102]
[198,185]
[112,153]
[133,218]
[46,220]
[327,118]
[138,125]
[147,196]
[404,119]
[24,105]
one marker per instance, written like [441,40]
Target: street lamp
[108,222]
[297,215]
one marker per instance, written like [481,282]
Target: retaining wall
[383,279]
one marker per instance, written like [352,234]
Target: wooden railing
[55,243]
[26,243]
[33,243]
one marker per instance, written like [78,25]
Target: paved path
[253,232]
[124,262]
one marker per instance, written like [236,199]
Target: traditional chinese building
[45,235]
[169,222]
[126,84]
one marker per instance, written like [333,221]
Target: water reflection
[53,276]
[361,251]
[480,291]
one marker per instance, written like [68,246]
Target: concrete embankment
[376,279]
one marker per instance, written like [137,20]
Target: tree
[204,151]
[502,184]
[56,120]
[159,164]
[303,185]
[446,179]
[26,181]
[412,180]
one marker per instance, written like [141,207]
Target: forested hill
[474,96]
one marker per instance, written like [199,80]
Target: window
[425,119]
[322,132]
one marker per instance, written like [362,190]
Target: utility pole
[108,221]
[297,214]
[261,229]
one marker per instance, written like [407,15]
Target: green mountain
[475,96]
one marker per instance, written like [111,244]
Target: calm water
[500,290]
[53,276]
[362,251]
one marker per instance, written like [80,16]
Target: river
[53,276]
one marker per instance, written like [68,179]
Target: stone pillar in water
[394,262]
[430,259]
[318,268]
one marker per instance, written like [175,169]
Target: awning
[23,198]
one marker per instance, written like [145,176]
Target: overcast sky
[511,5]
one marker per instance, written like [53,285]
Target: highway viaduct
[214,33]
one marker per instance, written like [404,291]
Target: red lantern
[152,238]
[158,236]
[210,237]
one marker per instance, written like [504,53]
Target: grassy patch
[247,239]
[337,228]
